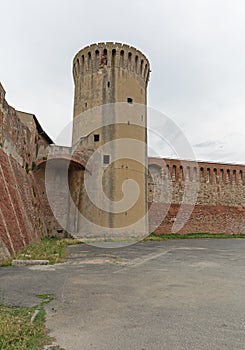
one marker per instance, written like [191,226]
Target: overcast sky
[196,49]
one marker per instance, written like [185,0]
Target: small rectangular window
[130,100]
[96,137]
[106,159]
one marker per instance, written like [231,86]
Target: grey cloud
[196,49]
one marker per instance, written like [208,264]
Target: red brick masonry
[216,192]
[21,217]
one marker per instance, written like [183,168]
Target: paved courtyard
[173,295]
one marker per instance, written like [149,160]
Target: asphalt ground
[170,295]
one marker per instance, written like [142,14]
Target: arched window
[202,174]
[141,67]
[122,58]
[136,63]
[97,58]
[156,172]
[215,175]
[228,176]
[208,175]
[89,59]
[113,58]
[194,174]
[221,175]
[129,59]
[234,177]
[181,173]
[82,64]
[240,177]
[174,173]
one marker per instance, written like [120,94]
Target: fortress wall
[217,192]
[21,217]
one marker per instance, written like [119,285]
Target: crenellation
[218,183]
[117,54]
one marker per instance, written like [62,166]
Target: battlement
[203,172]
[94,57]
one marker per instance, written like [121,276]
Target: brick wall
[21,216]
[211,196]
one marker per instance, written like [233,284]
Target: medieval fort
[110,99]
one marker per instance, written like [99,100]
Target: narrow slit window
[129,57]
[106,159]
[96,137]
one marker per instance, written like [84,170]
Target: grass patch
[52,249]
[46,298]
[163,237]
[23,328]
[17,332]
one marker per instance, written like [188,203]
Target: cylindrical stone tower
[107,73]
[110,118]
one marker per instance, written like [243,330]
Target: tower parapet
[95,57]
[108,73]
